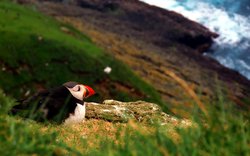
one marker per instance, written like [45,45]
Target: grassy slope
[36,51]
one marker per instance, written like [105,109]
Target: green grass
[18,138]
[36,50]
[224,132]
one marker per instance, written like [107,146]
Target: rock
[141,111]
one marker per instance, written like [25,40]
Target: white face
[78,91]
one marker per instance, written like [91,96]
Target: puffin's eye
[78,88]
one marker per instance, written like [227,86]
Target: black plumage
[49,105]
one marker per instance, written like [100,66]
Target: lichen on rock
[117,111]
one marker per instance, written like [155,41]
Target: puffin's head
[78,90]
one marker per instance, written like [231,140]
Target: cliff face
[161,46]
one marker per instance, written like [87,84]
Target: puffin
[62,104]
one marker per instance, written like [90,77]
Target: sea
[229,18]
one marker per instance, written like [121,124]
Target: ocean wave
[232,47]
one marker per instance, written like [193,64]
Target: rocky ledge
[140,111]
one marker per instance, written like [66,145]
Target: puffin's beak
[89,91]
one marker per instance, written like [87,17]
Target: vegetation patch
[222,133]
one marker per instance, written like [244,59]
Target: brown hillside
[161,46]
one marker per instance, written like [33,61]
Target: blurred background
[127,50]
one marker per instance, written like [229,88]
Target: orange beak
[89,91]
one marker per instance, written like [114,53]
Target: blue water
[229,18]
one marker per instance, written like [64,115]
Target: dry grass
[91,133]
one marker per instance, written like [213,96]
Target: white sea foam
[244,64]
[232,28]
[232,47]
